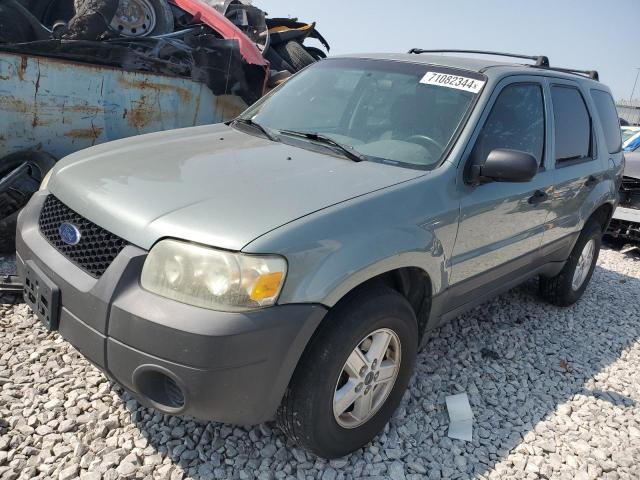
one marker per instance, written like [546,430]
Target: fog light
[159,388]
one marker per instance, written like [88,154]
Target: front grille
[96,249]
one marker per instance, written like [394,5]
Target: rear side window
[609,119]
[572,124]
[516,122]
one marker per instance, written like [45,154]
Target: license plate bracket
[42,296]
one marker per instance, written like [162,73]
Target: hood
[212,185]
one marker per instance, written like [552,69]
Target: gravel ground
[554,392]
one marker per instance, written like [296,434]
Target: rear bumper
[228,367]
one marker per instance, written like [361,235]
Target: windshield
[390,112]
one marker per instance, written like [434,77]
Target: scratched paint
[60,106]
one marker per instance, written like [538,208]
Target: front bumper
[228,367]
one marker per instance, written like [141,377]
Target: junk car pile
[75,73]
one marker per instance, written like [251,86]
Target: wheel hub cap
[584,265]
[367,378]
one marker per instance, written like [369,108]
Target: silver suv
[288,265]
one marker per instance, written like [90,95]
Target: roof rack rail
[592,74]
[541,60]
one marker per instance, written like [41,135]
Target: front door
[501,223]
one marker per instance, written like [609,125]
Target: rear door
[579,170]
[501,223]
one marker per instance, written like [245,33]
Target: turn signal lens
[267,286]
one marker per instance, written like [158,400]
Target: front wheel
[353,374]
[567,287]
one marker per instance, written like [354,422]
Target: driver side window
[516,122]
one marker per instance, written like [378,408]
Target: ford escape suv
[287,265]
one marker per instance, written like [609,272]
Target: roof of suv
[474,64]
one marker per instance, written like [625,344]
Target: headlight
[45,181]
[214,279]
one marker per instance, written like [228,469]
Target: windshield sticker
[453,81]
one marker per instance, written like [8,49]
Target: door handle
[591,181]
[538,197]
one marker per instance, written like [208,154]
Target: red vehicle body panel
[209,15]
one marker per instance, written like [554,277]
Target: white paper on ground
[460,417]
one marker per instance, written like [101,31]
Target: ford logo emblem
[69,233]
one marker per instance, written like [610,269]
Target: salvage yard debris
[625,224]
[229,45]
[76,73]
[460,417]
[10,284]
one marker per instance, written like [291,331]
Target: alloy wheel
[584,265]
[367,378]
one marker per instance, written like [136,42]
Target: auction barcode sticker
[453,81]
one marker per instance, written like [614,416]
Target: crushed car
[76,73]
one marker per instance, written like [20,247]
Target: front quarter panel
[333,251]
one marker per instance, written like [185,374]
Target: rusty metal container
[59,106]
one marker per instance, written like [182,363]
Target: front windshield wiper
[251,123]
[348,150]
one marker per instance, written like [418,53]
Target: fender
[336,249]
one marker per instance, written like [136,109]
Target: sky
[583,34]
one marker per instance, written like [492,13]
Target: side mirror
[504,165]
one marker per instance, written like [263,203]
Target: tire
[316,53]
[306,414]
[163,20]
[276,62]
[295,55]
[8,233]
[14,27]
[12,201]
[561,290]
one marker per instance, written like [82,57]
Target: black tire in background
[164,22]
[316,53]
[559,290]
[14,27]
[276,62]
[306,414]
[8,233]
[12,201]
[295,55]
